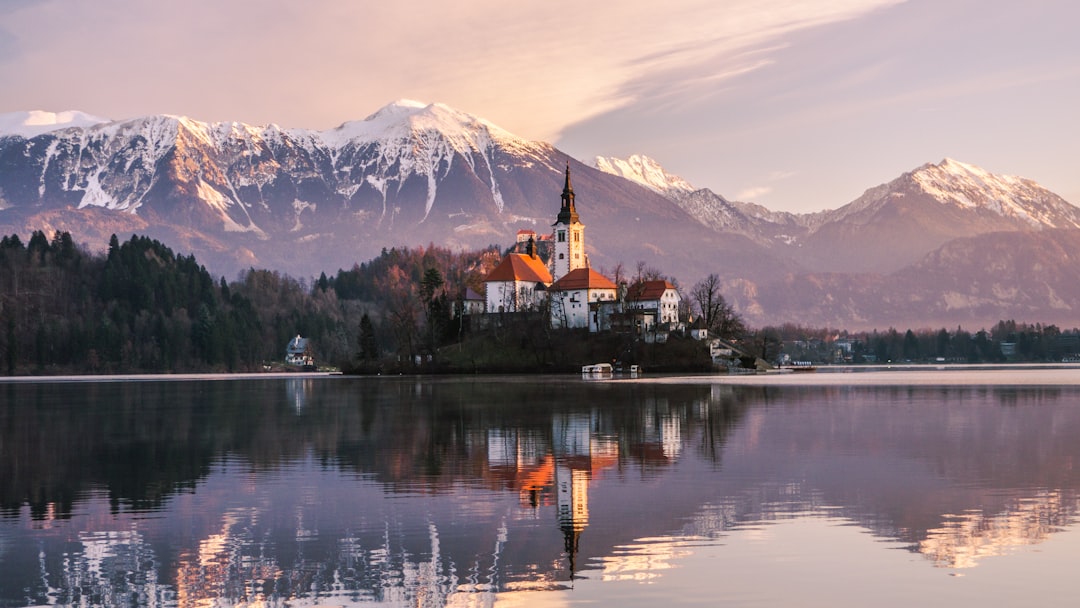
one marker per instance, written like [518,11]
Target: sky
[798,105]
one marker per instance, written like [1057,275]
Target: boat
[799,366]
[597,369]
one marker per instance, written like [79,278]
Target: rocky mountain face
[946,243]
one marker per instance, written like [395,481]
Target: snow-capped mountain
[886,228]
[256,179]
[712,210]
[895,224]
[645,171]
[953,184]
[307,201]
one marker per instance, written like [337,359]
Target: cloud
[753,193]
[530,67]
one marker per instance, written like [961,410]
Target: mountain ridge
[306,201]
[303,200]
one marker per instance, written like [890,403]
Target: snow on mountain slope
[1006,195]
[645,171]
[1015,202]
[424,140]
[425,173]
[712,210]
[248,175]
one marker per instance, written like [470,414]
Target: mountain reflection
[438,492]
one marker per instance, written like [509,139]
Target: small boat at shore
[799,367]
[597,369]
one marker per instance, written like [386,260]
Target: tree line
[139,307]
[1006,341]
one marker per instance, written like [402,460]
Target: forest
[140,308]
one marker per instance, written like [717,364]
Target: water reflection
[448,491]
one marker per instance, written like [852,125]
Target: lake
[886,488]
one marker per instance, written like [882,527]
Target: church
[575,295]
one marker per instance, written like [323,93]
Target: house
[658,295]
[519,283]
[698,329]
[616,317]
[473,304]
[298,352]
[574,299]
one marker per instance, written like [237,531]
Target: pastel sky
[798,105]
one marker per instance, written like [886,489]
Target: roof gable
[648,290]
[520,267]
[297,345]
[582,278]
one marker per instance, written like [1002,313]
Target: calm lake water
[935,488]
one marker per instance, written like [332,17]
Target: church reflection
[413,493]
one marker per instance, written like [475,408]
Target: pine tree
[369,348]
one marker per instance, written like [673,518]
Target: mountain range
[944,244]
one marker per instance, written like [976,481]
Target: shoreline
[986,374]
[167,377]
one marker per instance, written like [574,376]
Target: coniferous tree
[369,348]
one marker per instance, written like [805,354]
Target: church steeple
[569,235]
[567,213]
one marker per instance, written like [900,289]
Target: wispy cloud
[754,193]
[532,67]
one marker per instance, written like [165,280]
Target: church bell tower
[569,234]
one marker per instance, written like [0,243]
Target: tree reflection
[411,490]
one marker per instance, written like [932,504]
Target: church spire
[569,234]
[567,213]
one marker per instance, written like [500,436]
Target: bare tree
[647,273]
[618,273]
[720,317]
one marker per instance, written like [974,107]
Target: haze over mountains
[942,245]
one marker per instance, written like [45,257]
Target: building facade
[519,283]
[658,295]
[575,296]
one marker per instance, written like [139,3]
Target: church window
[561,256]
[577,237]
[562,236]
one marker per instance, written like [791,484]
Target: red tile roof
[582,278]
[520,267]
[648,290]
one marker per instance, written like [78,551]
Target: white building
[574,299]
[517,284]
[658,295]
[473,304]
